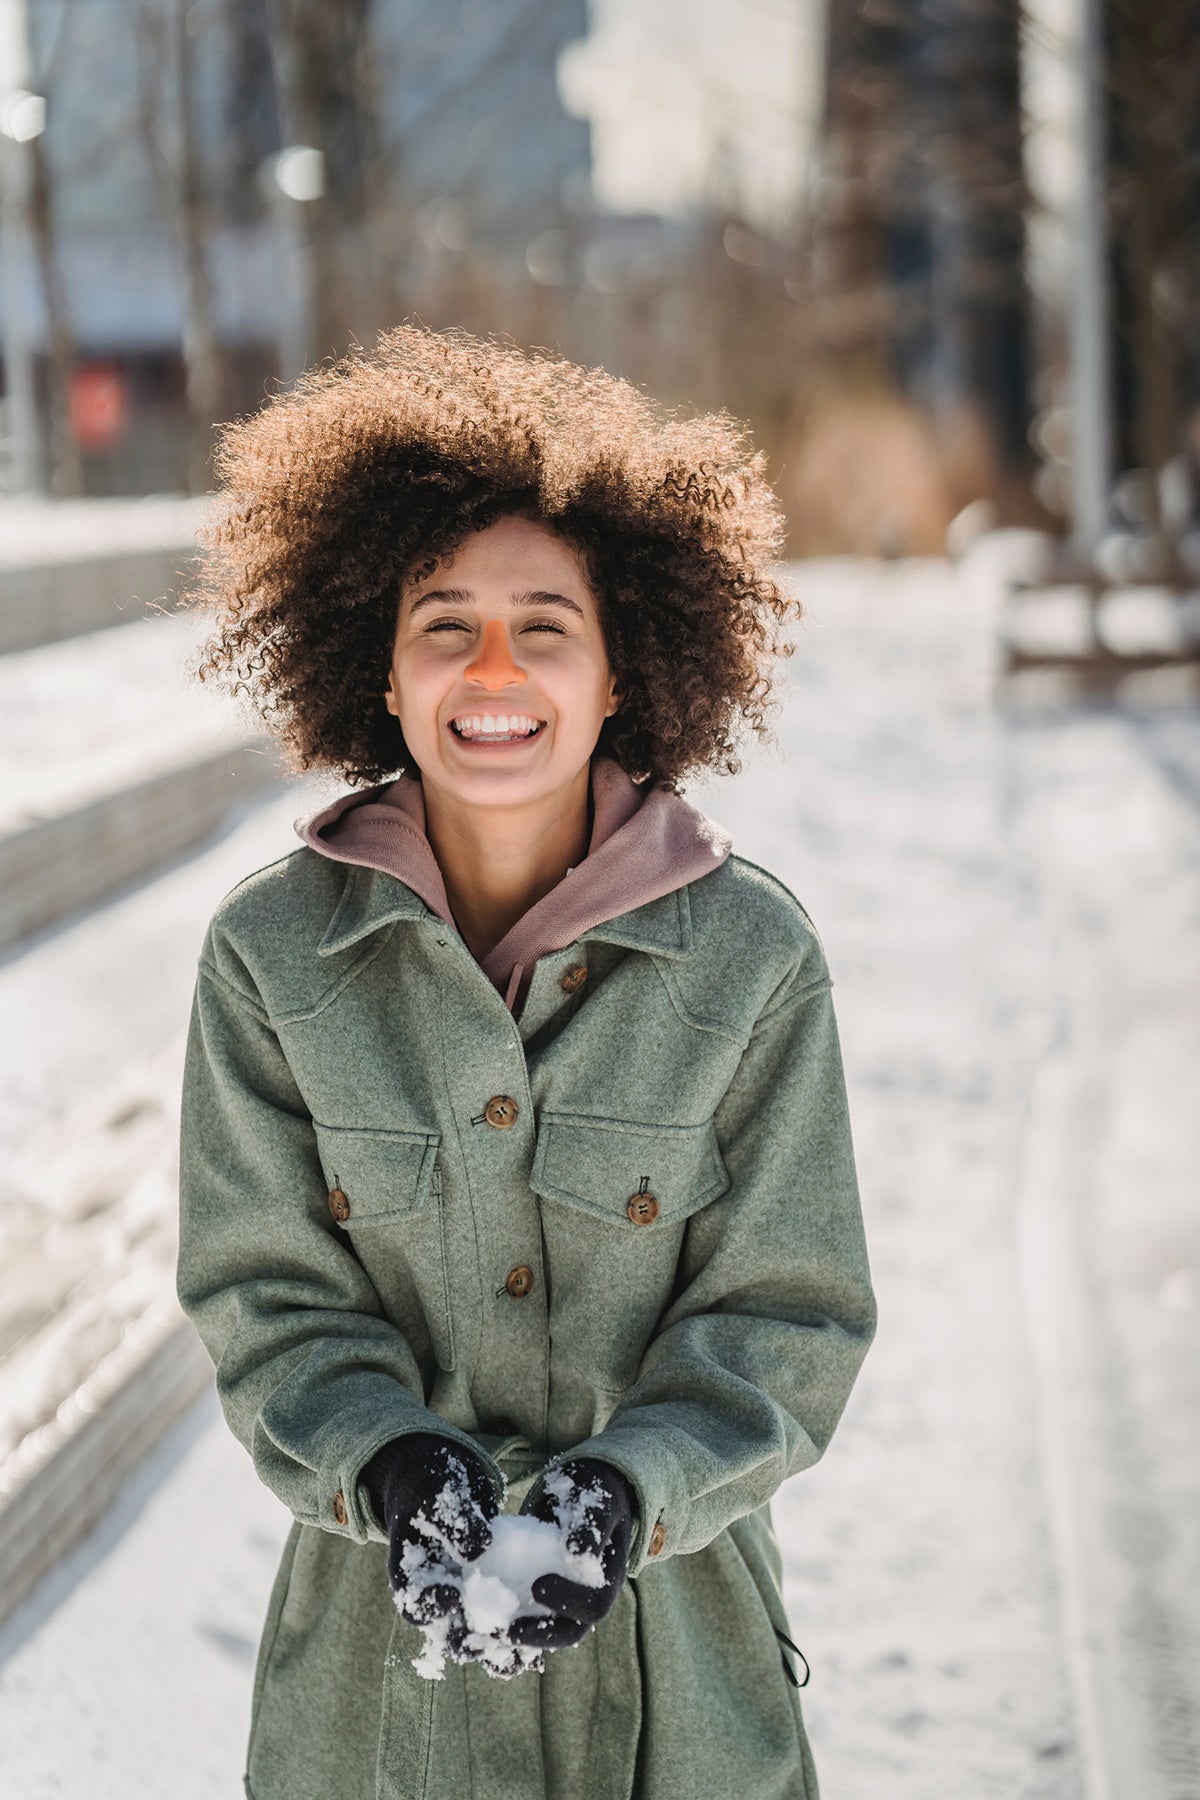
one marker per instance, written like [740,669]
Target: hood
[645,842]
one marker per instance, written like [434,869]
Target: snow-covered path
[990,1572]
[89,715]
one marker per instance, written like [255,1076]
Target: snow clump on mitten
[496,1586]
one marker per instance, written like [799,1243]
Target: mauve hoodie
[646,841]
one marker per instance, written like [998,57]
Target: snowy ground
[36,531]
[89,715]
[993,1573]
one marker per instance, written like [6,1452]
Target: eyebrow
[464,597]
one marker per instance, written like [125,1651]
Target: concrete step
[96,1357]
[74,566]
[67,1473]
[113,760]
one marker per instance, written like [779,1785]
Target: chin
[493,781]
[493,786]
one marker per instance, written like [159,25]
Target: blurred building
[164,257]
[950,242]
[919,224]
[1151,144]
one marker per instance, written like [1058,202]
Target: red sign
[99,406]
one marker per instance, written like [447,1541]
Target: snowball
[498,1585]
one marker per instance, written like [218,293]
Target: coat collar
[372,899]
[663,927]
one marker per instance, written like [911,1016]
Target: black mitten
[437,1502]
[596,1507]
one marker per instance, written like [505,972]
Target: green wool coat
[672,1163]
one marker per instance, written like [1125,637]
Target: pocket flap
[602,1165]
[383,1174]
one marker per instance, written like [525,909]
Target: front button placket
[492,1138]
[559,984]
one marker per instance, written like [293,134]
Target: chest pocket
[384,1175]
[386,1193]
[611,1170]
[619,1197]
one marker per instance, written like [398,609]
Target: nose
[494,666]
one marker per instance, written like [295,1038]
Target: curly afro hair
[370,471]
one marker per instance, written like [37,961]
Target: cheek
[581,700]
[589,674]
[414,689]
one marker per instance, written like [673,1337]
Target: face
[503,636]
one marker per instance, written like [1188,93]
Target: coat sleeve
[312,1377]
[753,1362]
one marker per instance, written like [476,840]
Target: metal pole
[1091,396]
[17,327]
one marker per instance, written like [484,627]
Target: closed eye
[461,625]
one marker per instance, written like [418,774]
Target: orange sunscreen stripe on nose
[494,664]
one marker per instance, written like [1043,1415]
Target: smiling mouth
[491,728]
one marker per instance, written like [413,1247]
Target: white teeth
[497,725]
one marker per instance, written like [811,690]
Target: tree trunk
[320,52]
[65,468]
[201,350]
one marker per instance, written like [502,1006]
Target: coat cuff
[350,1511]
[655,1474]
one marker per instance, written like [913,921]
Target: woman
[516,1172]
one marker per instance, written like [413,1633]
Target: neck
[498,862]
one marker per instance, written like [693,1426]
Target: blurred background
[943,256]
[875,230]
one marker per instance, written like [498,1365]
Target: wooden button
[339,1507]
[658,1538]
[642,1208]
[520,1281]
[339,1206]
[574,978]
[501,1111]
